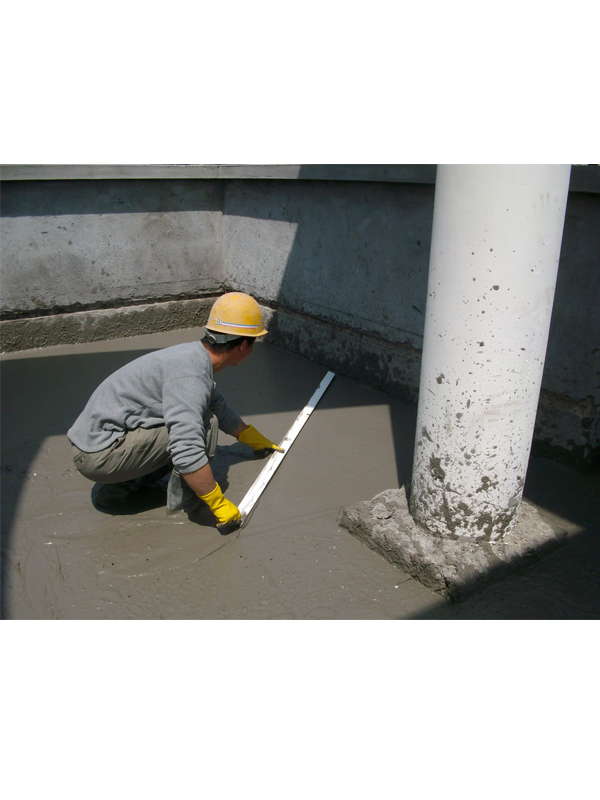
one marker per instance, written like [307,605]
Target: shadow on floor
[154,495]
[562,584]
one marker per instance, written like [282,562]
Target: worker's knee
[93,466]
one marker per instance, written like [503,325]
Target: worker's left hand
[257,441]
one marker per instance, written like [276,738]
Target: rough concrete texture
[452,566]
[82,244]
[394,173]
[334,251]
[486,330]
[109,323]
[388,367]
[568,432]
[584,177]
[353,256]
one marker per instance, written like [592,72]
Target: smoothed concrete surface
[63,559]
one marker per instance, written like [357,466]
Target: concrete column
[495,249]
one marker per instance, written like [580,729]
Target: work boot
[115,497]
[155,477]
[179,495]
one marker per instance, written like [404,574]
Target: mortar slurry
[63,559]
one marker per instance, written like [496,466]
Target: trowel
[250,500]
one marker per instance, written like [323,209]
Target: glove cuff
[212,497]
[248,433]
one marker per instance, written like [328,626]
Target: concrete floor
[63,559]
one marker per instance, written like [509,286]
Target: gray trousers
[138,453]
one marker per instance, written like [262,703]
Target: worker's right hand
[223,509]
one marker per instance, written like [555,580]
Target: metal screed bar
[259,485]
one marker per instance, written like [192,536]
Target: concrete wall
[573,357]
[351,253]
[340,264]
[68,245]
[355,256]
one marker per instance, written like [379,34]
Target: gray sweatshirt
[172,387]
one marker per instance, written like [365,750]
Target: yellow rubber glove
[223,509]
[257,441]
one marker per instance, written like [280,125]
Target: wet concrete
[63,559]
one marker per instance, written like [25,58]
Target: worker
[161,413]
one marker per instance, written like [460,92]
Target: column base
[453,567]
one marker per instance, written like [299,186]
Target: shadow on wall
[573,355]
[355,254]
[63,198]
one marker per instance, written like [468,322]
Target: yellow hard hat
[236,314]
